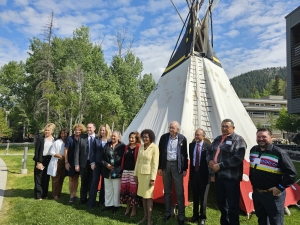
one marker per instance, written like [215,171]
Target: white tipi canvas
[195,91]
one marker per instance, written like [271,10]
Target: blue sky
[248,34]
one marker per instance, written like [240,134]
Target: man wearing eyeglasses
[225,159]
[173,164]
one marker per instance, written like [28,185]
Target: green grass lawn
[19,206]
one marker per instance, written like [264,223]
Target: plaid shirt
[231,156]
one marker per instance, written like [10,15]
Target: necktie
[197,161]
[90,145]
[218,149]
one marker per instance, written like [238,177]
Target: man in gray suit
[83,150]
[173,164]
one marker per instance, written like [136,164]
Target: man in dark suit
[199,176]
[82,153]
[173,164]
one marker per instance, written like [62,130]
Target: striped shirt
[271,168]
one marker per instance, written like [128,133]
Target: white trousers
[112,192]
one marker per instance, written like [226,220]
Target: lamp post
[24,160]
[7,147]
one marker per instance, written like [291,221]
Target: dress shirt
[172,148]
[195,152]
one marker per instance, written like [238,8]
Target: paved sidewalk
[3,178]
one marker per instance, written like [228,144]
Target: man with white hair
[173,164]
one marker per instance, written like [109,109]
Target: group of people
[129,171]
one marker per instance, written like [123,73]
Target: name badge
[228,142]
[257,160]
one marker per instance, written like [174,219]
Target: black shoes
[106,208]
[194,219]
[115,209]
[201,222]
[180,222]
[166,218]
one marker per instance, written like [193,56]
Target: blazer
[147,161]
[39,148]
[136,151]
[96,153]
[182,159]
[81,150]
[203,168]
[106,157]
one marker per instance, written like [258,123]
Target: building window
[275,105]
[257,114]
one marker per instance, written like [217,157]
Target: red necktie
[197,157]
[218,150]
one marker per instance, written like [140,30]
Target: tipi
[195,91]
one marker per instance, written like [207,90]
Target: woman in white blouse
[56,166]
[42,159]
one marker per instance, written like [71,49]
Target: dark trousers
[94,186]
[41,179]
[171,171]
[200,188]
[269,209]
[228,198]
[86,175]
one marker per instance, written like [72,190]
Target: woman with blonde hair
[42,158]
[69,160]
[104,134]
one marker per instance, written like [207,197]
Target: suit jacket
[182,159]
[96,153]
[39,148]
[203,168]
[147,161]
[82,150]
[106,157]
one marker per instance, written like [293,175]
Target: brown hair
[137,137]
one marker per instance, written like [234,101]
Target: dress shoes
[115,209]
[194,219]
[180,222]
[166,218]
[106,208]
[82,202]
[201,222]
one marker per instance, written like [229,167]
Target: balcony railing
[296,92]
[296,55]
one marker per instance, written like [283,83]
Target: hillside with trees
[260,83]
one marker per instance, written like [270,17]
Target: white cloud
[21,2]
[232,33]
[9,51]
[3,2]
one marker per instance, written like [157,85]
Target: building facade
[293,60]
[264,111]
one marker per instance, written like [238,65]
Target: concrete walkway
[3,178]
